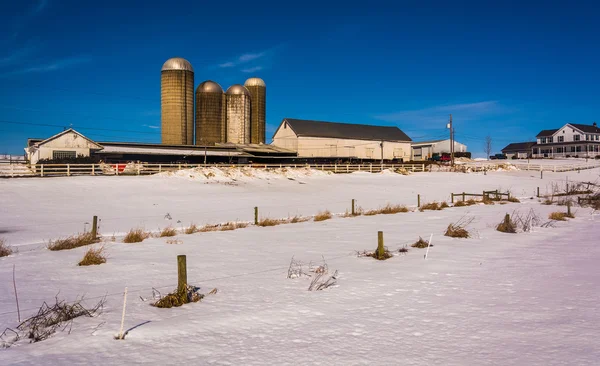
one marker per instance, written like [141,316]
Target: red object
[445,158]
[120,167]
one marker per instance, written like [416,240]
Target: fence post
[353,211]
[569,208]
[179,167]
[370,167]
[68,170]
[541,174]
[347,168]
[117,169]
[42,170]
[380,249]
[452,198]
[463,194]
[418,200]
[138,169]
[538,192]
[93,169]
[423,167]
[182,278]
[255,215]
[95,227]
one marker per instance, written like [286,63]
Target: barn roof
[345,130]
[518,146]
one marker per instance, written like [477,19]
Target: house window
[597,137]
[550,139]
[543,140]
[587,137]
[561,139]
[577,138]
[285,125]
[572,148]
[578,149]
[59,154]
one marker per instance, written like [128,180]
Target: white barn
[318,139]
[424,150]
[68,144]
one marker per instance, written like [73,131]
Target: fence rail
[556,168]
[52,170]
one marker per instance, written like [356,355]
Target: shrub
[507,225]
[420,244]
[72,242]
[167,232]
[297,219]
[386,254]
[561,216]
[192,229]
[5,250]
[371,212]
[461,204]
[207,228]
[513,199]
[93,256]
[269,222]
[322,216]
[444,205]
[458,229]
[392,209]
[431,206]
[136,236]
[232,226]
[176,298]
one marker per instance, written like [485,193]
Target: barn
[343,141]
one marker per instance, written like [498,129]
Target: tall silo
[211,114]
[177,102]
[238,114]
[258,91]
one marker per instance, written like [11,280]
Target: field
[494,298]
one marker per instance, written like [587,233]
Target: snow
[509,299]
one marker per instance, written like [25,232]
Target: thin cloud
[56,65]
[243,59]
[227,64]
[152,126]
[439,114]
[17,55]
[252,69]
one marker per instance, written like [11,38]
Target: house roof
[345,130]
[70,130]
[518,146]
[545,133]
[586,128]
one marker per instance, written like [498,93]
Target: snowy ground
[509,299]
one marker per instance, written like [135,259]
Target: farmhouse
[345,141]
[518,150]
[426,149]
[572,139]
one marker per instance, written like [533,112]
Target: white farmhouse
[576,140]
[426,149]
[318,139]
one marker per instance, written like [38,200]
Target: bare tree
[487,147]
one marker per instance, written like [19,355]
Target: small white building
[426,149]
[318,139]
[68,144]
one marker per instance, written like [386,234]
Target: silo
[210,114]
[258,92]
[238,114]
[177,102]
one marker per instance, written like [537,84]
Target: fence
[51,170]
[486,195]
[556,168]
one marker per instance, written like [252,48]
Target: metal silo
[210,114]
[177,102]
[258,91]
[238,114]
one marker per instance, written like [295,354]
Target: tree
[487,147]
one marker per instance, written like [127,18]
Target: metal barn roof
[518,146]
[345,130]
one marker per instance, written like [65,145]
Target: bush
[192,229]
[5,250]
[93,256]
[232,226]
[392,209]
[421,244]
[136,236]
[322,216]
[175,298]
[513,199]
[458,230]
[507,225]
[561,216]
[461,204]
[297,219]
[431,206]
[269,222]
[385,255]
[168,232]
[72,242]
[444,205]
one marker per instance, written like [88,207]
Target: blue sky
[503,68]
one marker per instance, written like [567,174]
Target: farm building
[70,144]
[518,150]
[345,141]
[572,139]
[426,149]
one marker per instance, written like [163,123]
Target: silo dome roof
[177,63]
[209,86]
[237,89]
[255,82]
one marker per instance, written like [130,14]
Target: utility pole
[381,144]
[449,126]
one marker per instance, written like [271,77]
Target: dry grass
[229,226]
[371,212]
[174,241]
[392,209]
[93,256]
[168,232]
[488,201]
[72,242]
[444,205]
[175,299]
[461,204]
[269,222]
[513,199]
[548,201]
[192,229]
[5,250]
[455,231]
[297,219]
[507,225]
[375,254]
[561,216]
[136,236]
[322,216]
[434,206]
[421,244]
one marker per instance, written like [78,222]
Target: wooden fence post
[538,192]
[353,211]
[463,194]
[380,249]
[255,215]
[452,198]
[42,170]
[569,208]
[95,227]
[117,169]
[418,200]
[182,278]
[370,168]
[68,170]
[93,169]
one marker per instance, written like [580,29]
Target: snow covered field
[494,299]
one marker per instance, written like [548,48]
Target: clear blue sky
[503,68]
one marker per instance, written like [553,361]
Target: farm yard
[528,297]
